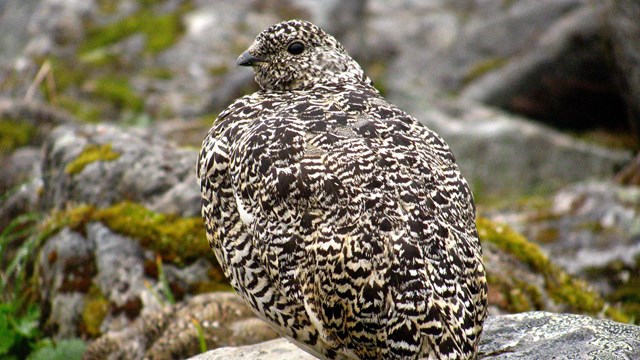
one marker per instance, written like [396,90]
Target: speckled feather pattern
[339,218]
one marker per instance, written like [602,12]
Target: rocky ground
[103,105]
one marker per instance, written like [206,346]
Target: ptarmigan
[339,218]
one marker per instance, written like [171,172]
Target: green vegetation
[161,31]
[14,134]
[562,288]
[91,154]
[19,314]
[18,330]
[67,349]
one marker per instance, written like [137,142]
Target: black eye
[296,48]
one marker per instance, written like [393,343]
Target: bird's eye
[296,48]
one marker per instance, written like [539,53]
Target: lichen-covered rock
[176,332]
[529,335]
[542,335]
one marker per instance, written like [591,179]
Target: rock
[543,335]
[14,18]
[279,349]
[173,332]
[630,174]
[139,167]
[625,31]
[19,183]
[530,158]
[564,80]
[530,335]
[593,231]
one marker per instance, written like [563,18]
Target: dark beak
[246,59]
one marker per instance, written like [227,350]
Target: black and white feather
[341,220]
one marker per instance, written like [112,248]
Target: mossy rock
[573,294]
[176,239]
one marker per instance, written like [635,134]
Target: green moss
[96,307]
[14,134]
[118,91]
[174,238]
[160,31]
[562,288]
[91,154]
[482,67]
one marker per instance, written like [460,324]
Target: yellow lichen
[91,154]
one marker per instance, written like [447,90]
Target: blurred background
[104,104]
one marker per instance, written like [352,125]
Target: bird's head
[297,55]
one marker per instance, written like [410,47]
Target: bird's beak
[246,59]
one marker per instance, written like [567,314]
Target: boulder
[178,331]
[503,155]
[543,335]
[102,165]
[530,335]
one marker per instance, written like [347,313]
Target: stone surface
[279,349]
[542,335]
[625,31]
[531,335]
[148,170]
[528,157]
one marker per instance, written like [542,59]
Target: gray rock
[14,18]
[542,335]
[66,263]
[528,157]
[278,349]
[148,170]
[120,276]
[625,31]
[531,335]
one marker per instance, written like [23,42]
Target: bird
[341,220]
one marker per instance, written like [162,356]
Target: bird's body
[341,220]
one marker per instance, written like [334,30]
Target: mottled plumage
[342,220]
